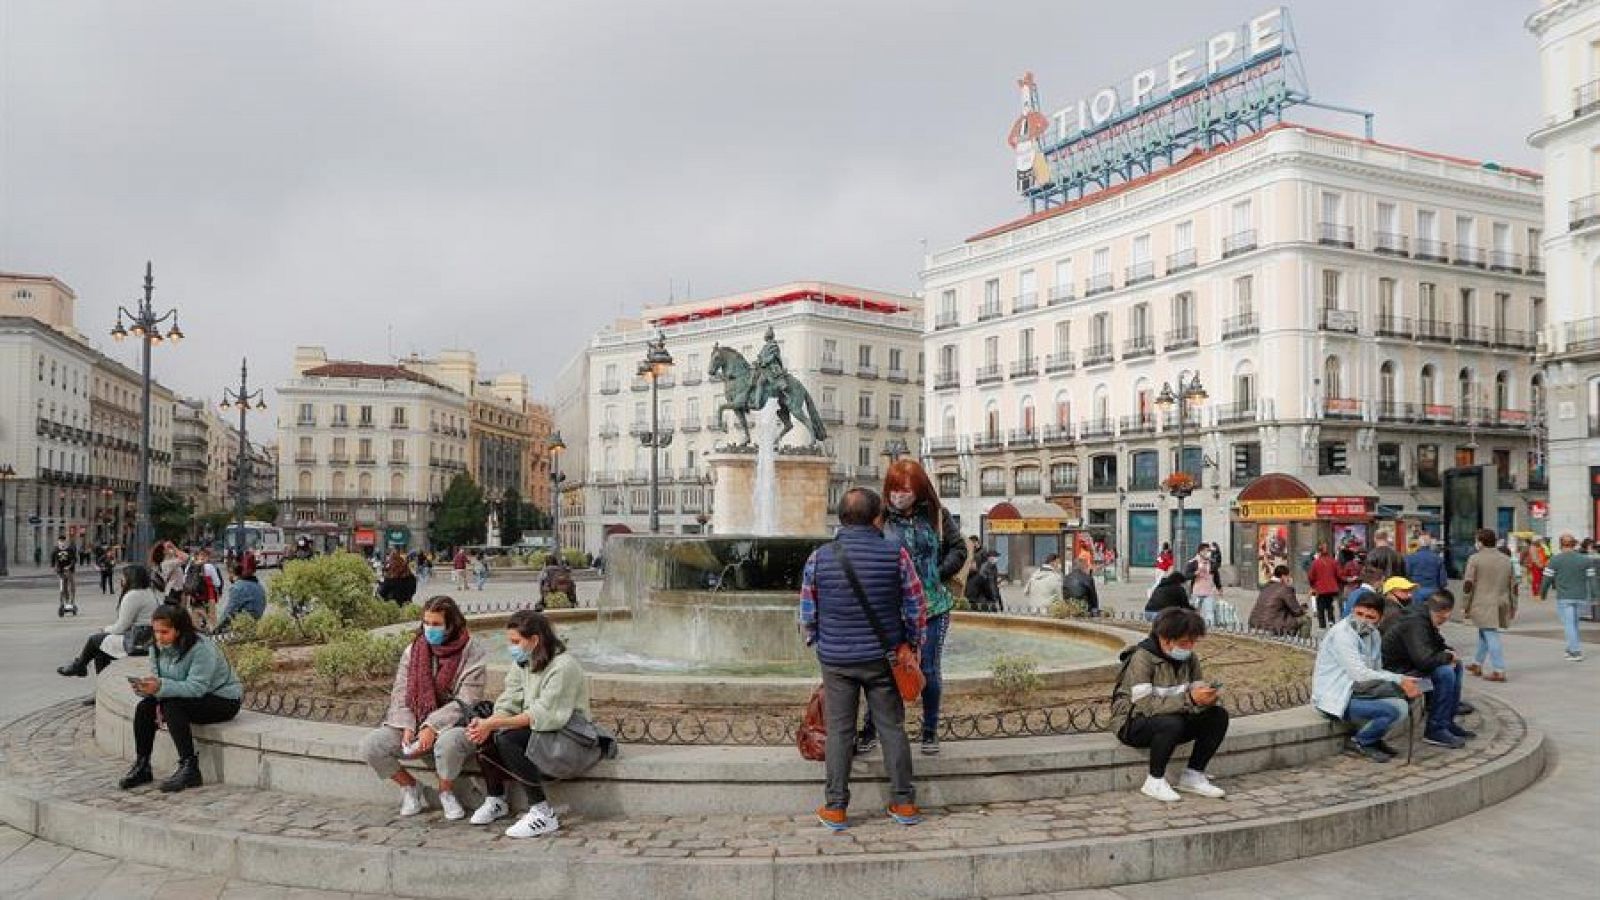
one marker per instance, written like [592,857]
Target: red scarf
[423,695]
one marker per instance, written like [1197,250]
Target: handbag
[904,663]
[812,738]
[1376,689]
[136,641]
[572,749]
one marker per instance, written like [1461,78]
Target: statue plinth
[802,493]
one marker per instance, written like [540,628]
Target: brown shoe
[834,819]
[1495,676]
[1474,668]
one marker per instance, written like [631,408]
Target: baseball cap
[1398,583]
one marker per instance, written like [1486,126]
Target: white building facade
[1351,308]
[857,351]
[1568,32]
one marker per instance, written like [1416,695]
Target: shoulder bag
[904,663]
[812,736]
[136,640]
[571,750]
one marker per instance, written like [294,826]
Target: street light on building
[241,400]
[656,363]
[556,446]
[145,324]
[1189,388]
[6,474]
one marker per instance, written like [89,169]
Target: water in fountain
[765,502]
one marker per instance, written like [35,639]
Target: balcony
[1060,361]
[1139,423]
[692,378]
[1345,321]
[1025,302]
[943,446]
[1025,368]
[1511,418]
[1182,261]
[339,423]
[1432,250]
[1514,339]
[1390,244]
[987,442]
[1022,437]
[1583,212]
[1102,485]
[989,311]
[1468,255]
[305,459]
[1472,335]
[1056,435]
[715,423]
[1585,98]
[1393,411]
[1582,336]
[1146,482]
[609,430]
[1191,419]
[1098,284]
[946,320]
[1098,355]
[1243,325]
[1064,484]
[1097,428]
[867,370]
[689,424]
[944,381]
[1341,408]
[1332,234]
[897,423]
[1535,264]
[1138,346]
[364,423]
[340,460]
[988,374]
[1505,261]
[831,365]
[1140,271]
[366,460]
[1181,339]
[1434,331]
[832,416]
[867,420]
[1239,242]
[639,385]
[898,376]
[1234,413]
[399,426]
[1394,327]
[1061,293]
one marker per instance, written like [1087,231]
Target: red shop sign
[1341,507]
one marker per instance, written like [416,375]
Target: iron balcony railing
[1139,423]
[1098,355]
[1505,261]
[986,442]
[1182,260]
[943,381]
[1430,249]
[946,320]
[1060,361]
[866,370]
[1239,242]
[831,365]
[1241,325]
[1585,98]
[1098,284]
[610,387]
[1025,302]
[1394,327]
[898,376]
[1139,345]
[1583,212]
[1346,321]
[1535,264]
[1061,293]
[1335,235]
[989,310]
[1469,255]
[1472,335]
[1181,338]
[1141,271]
[987,374]
[1514,339]
[1433,331]
[1229,413]
[1025,368]
[1022,437]
[1390,243]
[1057,434]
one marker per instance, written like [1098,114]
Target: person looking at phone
[441,675]
[190,683]
[1162,700]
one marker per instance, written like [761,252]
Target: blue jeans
[933,672]
[1568,611]
[1444,698]
[1489,647]
[1379,716]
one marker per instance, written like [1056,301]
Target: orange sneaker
[1474,668]
[905,813]
[834,819]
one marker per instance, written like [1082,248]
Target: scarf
[920,538]
[423,695]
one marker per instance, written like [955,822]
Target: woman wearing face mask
[544,687]
[915,519]
[1205,589]
[1162,700]
[129,635]
[191,684]
[440,676]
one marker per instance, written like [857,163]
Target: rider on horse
[770,376]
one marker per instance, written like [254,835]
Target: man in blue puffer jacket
[1426,567]
[853,659]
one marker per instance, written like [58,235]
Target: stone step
[55,785]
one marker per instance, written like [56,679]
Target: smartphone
[1216,685]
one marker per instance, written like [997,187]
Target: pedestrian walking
[1490,584]
[1569,573]
[1325,585]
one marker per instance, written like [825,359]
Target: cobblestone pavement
[32,751]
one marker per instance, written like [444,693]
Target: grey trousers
[842,687]
[381,749]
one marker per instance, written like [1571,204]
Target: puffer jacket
[1152,683]
[844,635]
[1277,610]
[1169,594]
[1413,644]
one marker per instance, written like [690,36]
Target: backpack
[195,581]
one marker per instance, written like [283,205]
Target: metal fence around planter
[759,730]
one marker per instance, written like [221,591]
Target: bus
[264,539]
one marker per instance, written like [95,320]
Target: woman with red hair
[914,518]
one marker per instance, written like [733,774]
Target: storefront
[1023,534]
[1280,519]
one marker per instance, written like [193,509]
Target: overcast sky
[507,176]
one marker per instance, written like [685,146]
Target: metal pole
[1183,548]
[655,458]
[143,533]
[555,505]
[243,469]
[5,552]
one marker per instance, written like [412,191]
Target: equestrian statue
[746,389]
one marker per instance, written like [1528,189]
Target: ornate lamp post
[556,446]
[145,324]
[656,363]
[241,400]
[1189,388]
[6,474]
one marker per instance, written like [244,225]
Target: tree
[462,515]
[265,511]
[512,522]
[170,515]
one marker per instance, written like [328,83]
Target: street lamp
[241,400]
[1189,388]
[6,474]
[656,363]
[556,446]
[144,324]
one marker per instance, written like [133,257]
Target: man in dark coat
[1079,585]
[1412,645]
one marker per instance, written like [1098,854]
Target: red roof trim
[841,300]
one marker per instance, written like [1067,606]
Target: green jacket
[549,696]
[1152,684]
[201,671]
[1568,573]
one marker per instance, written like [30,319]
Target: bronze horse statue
[794,401]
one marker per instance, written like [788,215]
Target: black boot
[186,776]
[74,669]
[137,775]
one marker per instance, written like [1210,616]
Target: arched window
[397,486]
[1386,386]
[1430,385]
[1102,404]
[1502,391]
[305,483]
[949,421]
[1332,386]
[1536,397]
[364,485]
[1464,390]
[1144,400]
[1027,480]
[991,423]
[1063,410]
[1028,419]
[338,484]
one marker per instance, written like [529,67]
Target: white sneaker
[541,819]
[1193,782]
[411,800]
[453,810]
[492,808]
[1158,789]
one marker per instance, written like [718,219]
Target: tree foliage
[462,515]
[512,520]
[170,515]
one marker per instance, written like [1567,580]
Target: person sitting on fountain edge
[835,620]
[1349,682]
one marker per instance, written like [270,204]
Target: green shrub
[357,654]
[1068,608]
[251,662]
[277,628]
[242,628]
[557,600]
[960,603]
[1015,677]
[338,662]
[320,626]
[340,582]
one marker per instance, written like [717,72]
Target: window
[896,407]
[1386,385]
[894,360]
[1063,478]
[1145,466]
[830,349]
[304,451]
[1141,250]
[991,293]
[949,484]
[991,351]
[1103,472]
[1464,389]
[1100,325]
[366,416]
[1241,217]
[1025,345]
[1386,308]
[364,448]
[1183,312]
[1139,320]
[1063,411]
[1502,467]
[1331,458]
[948,361]
[992,481]
[1244,390]
[1389,474]
[1244,296]
[1536,314]
[1502,237]
[1502,392]
[340,414]
[1502,313]
[1063,340]
[1468,303]
[1027,479]
[1332,208]
[397,417]
[1182,237]
[1101,262]
[691,409]
[1246,462]
[1332,282]
[1063,285]
[1430,390]
[1388,218]
[1331,372]
[1466,231]
[1028,418]
[991,421]
[307,416]
[864,355]
[864,405]
[397,449]
[1427,302]
[1027,284]
[1427,225]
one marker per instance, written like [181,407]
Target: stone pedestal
[802,493]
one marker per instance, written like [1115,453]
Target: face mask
[1363,628]
[518,655]
[433,634]
[1180,654]
[902,500]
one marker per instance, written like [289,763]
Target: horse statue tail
[821,432]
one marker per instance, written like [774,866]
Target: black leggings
[92,654]
[105,581]
[505,756]
[180,713]
[1327,610]
[1163,734]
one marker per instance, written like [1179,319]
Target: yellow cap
[1398,583]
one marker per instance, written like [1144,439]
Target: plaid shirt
[913,604]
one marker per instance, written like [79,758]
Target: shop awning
[1026,517]
[1277,497]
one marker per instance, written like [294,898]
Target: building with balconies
[1351,307]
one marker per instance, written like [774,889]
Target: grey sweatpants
[381,749]
[842,688]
